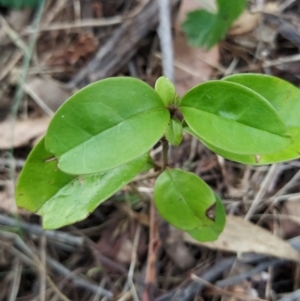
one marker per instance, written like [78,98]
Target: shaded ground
[106,255]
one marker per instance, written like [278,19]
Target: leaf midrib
[99,133]
[235,121]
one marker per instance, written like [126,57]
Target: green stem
[165,149]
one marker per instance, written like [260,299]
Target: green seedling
[100,140]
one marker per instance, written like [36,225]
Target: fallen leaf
[245,23]
[241,236]
[20,132]
[49,91]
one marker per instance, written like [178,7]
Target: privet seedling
[101,138]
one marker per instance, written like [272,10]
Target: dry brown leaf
[49,92]
[245,23]
[78,52]
[192,65]
[20,132]
[241,236]
[7,201]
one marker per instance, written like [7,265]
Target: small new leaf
[166,90]
[174,131]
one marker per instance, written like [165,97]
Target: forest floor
[106,256]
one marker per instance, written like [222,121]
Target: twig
[38,230]
[17,270]
[165,36]
[56,290]
[285,5]
[263,189]
[38,100]
[13,35]
[77,280]
[130,282]
[241,277]
[79,24]
[224,292]
[43,271]
[154,244]
[188,292]
[294,296]
[282,60]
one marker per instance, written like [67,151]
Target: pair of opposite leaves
[107,128]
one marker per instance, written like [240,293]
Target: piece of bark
[121,46]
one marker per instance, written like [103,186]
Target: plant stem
[153,246]
[165,151]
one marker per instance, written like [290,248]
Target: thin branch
[165,36]
[153,246]
[38,230]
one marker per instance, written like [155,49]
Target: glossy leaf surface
[165,89]
[285,98]
[206,29]
[174,131]
[234,118]
[183,199]
[212,232]
[286,154]
[63,199]
[105,125]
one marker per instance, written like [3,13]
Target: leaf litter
[257,43]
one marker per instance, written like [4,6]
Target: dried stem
[154,244]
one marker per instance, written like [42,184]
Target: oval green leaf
[285,98]
[212,232]
[64,199]
[174,131]
[234,118]
[105,125]
[166,90]
[183,199]
[289,153]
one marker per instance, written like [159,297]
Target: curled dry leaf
[241,236]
